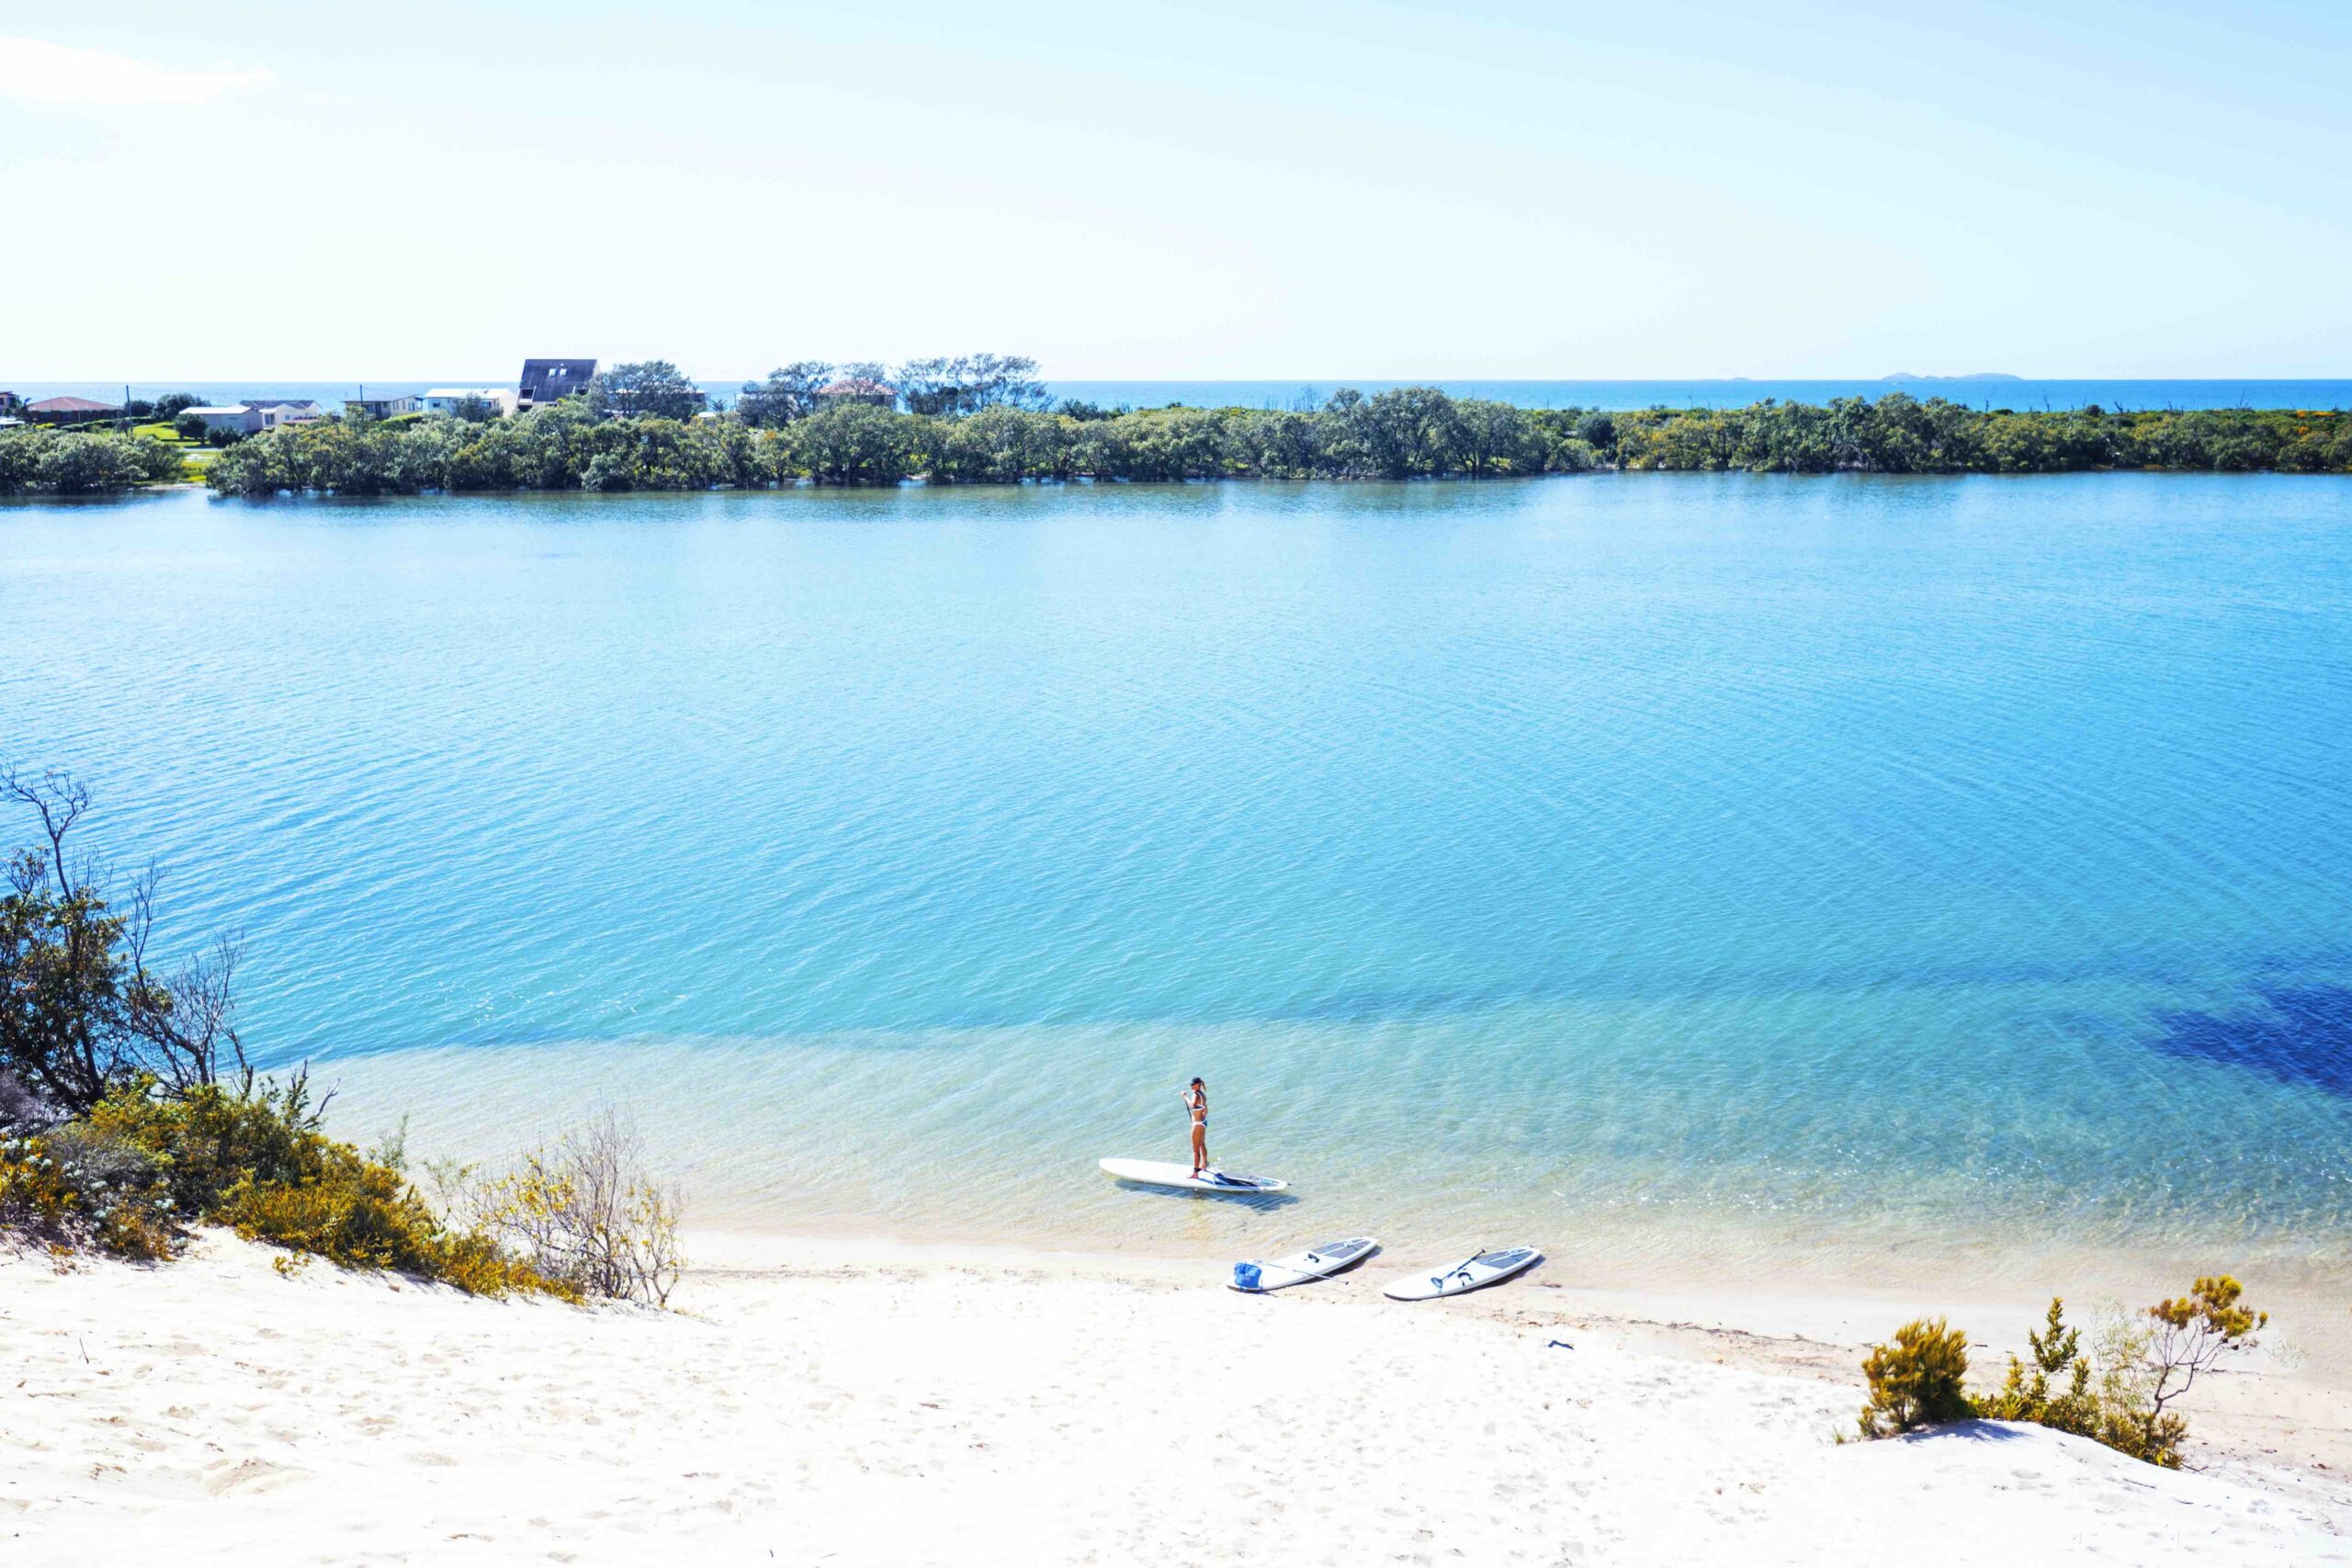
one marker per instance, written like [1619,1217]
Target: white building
[448,400]
[275,412]
[228,416]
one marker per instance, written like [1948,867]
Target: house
[71,411]
[228,416]
[378,408]
[858,389]
[545,380]
[10,403]
[275,412]
[450,400]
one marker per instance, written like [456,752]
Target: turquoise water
[1842,869]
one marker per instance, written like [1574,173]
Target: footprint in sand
[250,1475]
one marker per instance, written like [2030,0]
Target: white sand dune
[922,1407]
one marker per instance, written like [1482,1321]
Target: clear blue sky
[245,190]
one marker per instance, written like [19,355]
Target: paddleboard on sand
[1180,1177]
[1473,1273]
[1315,1263]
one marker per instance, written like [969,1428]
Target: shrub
[584,1211]
[143,1163]
[77,1189]
[2057,1353]
[1917,1381]
[2118,1396]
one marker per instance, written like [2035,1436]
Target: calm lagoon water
[1876,875]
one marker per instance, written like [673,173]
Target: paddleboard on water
[1474,1273]
[1315,1263]
[1180,1177]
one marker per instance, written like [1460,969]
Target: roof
[534,368]
[278,402]
[226,407]
[74,405]
[484,392]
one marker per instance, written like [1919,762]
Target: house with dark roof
[71,411]
[10,403]
[545,380]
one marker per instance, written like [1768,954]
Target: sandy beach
[822,1402]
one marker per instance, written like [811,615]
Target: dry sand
[814,1401]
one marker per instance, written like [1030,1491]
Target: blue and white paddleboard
[1300,1268]
[1474,1273]
[1180,1177]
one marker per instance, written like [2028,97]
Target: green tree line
[786,436]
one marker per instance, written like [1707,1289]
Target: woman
[1196,1100]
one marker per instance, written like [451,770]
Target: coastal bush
[584,1210]
[1917,1381]
[83,462]
[132,1114]
[2118,1394]
[855,443]
[83,1008]
[127,1178]
[74,1189]
[779,434]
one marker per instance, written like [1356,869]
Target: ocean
[1869,878]
[1311,390]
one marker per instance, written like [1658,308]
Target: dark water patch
[2297,1034]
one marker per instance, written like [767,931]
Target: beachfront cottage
[71,411]
[275,412]
[451,399]
[858,389]
[228,416]
[10,403]
[545,380]
[379,408]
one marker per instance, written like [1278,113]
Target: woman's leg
[1200,1148]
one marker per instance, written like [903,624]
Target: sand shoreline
[878,1402]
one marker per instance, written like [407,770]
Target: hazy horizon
[1691,191]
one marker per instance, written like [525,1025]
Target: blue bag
[1245,1276]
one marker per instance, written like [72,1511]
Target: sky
[1308,189]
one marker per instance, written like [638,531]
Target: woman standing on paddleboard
[1196,1100]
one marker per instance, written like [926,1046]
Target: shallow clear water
[1841,870]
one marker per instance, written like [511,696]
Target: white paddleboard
[1315,1263]
[1168,1173]
[1473,1273]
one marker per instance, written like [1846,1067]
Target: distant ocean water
[1308,392]
[1875,876]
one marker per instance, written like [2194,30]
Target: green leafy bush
[1917,1381]
[74,1189]
[2119,1394]
[256,1160]
[83,462]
